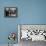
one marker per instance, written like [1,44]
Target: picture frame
[10,12]
[36,32]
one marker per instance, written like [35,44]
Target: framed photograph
[33,32]
[10,12]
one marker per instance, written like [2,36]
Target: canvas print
[10,11]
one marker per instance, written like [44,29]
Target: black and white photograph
[31,34]
[11,12]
